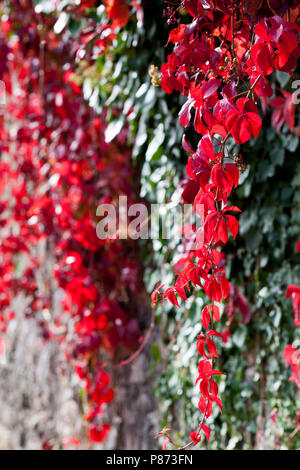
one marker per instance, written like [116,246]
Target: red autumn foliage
[221,62]
[60,169]
[223,73]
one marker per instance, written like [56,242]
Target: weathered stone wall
[39,395]
[38,401]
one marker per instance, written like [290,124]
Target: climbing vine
[221,63]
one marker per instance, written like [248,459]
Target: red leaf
[261,54]
[231,208]
[195,437]
[232,224]
[205,317]
[205,406]
[234,173]
[181,292]
[210,87]
[186,146]
[176,34]
[185,113]
[244,121]
[170,294]
[216,313]
[213,333]
[211,310]
[291,290]
[222,178]
[211,348]
[155,293]
[118,11]
[206,430]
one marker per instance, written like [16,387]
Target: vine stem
[199,429]
[203,416]
[141,347]
[269,5]
[232,32]
[253,86]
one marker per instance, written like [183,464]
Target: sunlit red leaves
[118,12]
[206,371]
[90,323]
[204,341]
[204,202]
[282,38]
[262,57]
[217,225]
[293,292]
[292,359]
[169,82]
[196,436]
[225,176]
[156,293]
[208,388]
[205,406]
[200,164]
[171,296]
[244,121]
[206,430]
[209,313]
[199,169]
[194,273]
[202,99]
[260,85]
[176,34]
[220,108]
[217,286]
